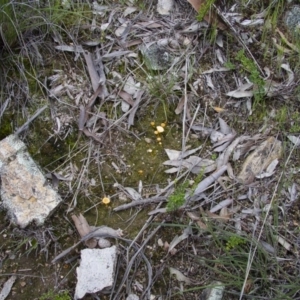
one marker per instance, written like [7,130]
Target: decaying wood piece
[99,232]
[260,159]
[84,229]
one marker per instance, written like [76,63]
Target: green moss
[214,156]
[52,295]
[229,65]
[177,199]
[205,7]
[7,125]
[295,128]
[50,150]
[281,116]
[258,115]
[286,120]
[234,241]
[254,75]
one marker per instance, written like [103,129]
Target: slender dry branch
[148,201]
[25,125]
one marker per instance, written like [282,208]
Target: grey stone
[156,57]
[215,292]
[292,20]
[24,190]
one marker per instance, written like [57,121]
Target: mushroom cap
[160,129]
[105,200]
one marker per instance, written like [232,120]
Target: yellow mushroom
[160,129]
[106,200]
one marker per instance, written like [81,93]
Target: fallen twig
[36,114]
[151,200]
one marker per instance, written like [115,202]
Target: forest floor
[189,130]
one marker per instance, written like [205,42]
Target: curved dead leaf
[180,276]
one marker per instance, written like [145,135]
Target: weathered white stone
[24,190]
[164,7]
[156,57]
[215,292]
[96,270]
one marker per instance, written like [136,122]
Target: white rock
[104,243]
[24,190]
[164,6]
[96,270]
[215,292]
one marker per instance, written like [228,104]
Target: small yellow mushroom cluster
[159,129]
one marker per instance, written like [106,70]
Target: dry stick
[36,114]
[152,199]
[200,188]
[193,120]
[84,168]
[118,121]
[3,107]
[251,258]
[129,266]
[185,106]
[20,274]
[97,233]
[147,290]
[239,39]
[144,227]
